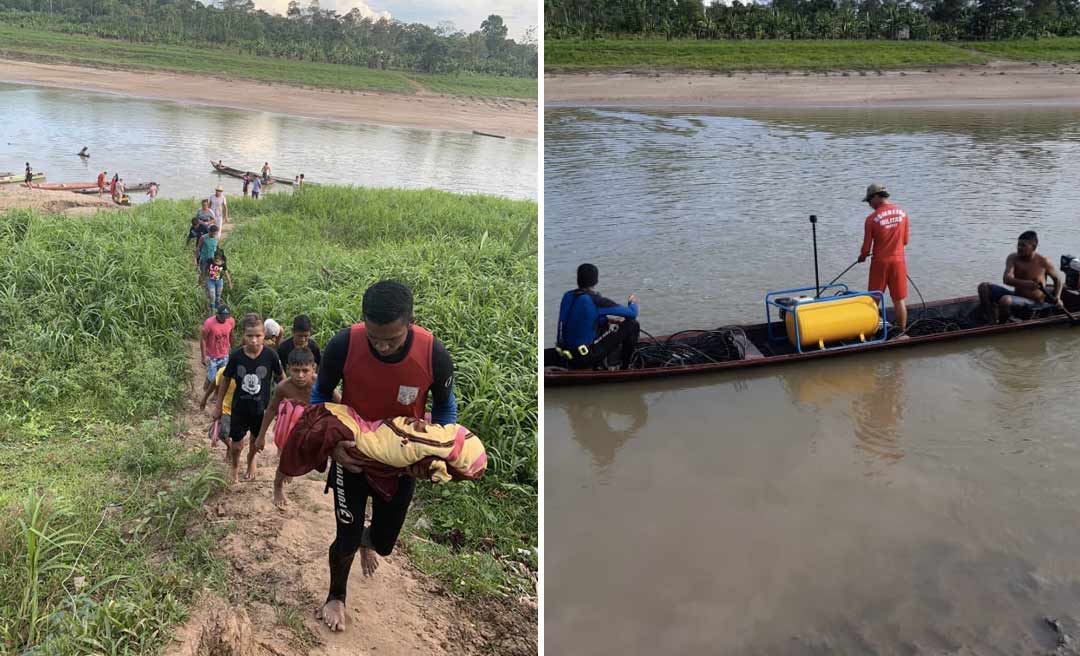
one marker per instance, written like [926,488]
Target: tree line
[944,20]
[305,33]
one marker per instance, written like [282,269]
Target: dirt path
[279,577]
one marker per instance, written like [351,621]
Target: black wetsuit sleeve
[332,368]
[442,386]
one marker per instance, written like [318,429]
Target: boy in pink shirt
[216,342]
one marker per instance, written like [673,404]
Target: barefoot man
[387,367]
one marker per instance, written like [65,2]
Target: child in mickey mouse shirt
[253,367]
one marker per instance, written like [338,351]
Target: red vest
[377,390]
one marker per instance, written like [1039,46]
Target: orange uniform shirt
[887,230]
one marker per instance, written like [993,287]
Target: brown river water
[924,500]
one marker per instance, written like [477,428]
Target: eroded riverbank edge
[997,84]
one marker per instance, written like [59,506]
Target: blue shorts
[997,292]
[213,366]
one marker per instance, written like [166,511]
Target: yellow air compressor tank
[834,320]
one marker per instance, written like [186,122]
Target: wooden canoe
[488,134]
[941,321]
[138,186]
[239,173]
[65,186]
[13,178]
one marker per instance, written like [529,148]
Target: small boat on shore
[745,346]
[240,173]
[13,178]
[488,134]
[65,186]
[138,186]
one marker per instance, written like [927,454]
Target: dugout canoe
[939,321]
[138,186]
[12,178]
[240,173]
[65,186]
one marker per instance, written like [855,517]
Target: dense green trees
[306,33]
[814,19]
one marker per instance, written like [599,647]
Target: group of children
[248,383]
[210,259]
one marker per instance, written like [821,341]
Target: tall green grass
[42,45]
[471,262]
[97,496]
[750,55]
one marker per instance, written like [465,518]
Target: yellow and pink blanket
[306,436]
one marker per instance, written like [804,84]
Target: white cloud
[342,7]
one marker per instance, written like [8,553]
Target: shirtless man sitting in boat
[1025,272]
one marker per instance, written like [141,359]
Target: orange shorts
[891,273]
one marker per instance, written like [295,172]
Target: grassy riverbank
[103,542]
[96,491]
[473,273]
[575,55]
[57,47]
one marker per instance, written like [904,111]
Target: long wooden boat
[939,321]
[240,173]
[138,186]
[11,178]
[65,186]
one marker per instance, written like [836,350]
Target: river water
[924,500]
[173,143]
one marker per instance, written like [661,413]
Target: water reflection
[602,429]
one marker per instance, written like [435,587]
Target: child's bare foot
[279,495]
[250,475]
[234,474]
[369,561]
[332,614]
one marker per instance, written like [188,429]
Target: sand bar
[1003,84]
[504,116]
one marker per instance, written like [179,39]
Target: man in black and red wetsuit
[387,367]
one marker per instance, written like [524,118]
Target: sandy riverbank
[16,196]
[1005,84]
[505,116]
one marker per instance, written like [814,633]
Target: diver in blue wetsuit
[591,326]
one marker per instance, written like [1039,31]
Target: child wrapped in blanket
[306,436]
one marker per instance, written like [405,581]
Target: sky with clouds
[467,15]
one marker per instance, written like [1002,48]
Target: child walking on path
[216,341]
[297,388]
[217,273]
[253,367]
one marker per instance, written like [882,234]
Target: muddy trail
[278,577]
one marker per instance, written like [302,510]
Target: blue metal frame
[769,301]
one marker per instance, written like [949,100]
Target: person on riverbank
[1026,272]
[256,187]
[387,367]
[119,195]
[208,245]
[300,337]
[216,341]
[296,388]
[253,367]
[266,172]
[247,183]
[101,183]
[112,185]
[29,174]
[152,191]
[300,181]
[592,327]
[217,274]
[219,206]
[885,232]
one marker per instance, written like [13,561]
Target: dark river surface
[173,143]
[924,500]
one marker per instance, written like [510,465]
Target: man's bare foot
[279,496]
[332,614]
[369,561]
[250,475]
